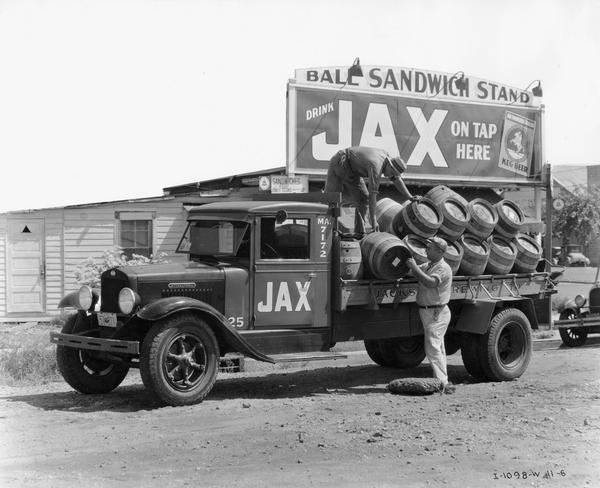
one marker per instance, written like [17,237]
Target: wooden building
[40,249]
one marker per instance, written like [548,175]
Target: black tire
[470,347]
[507,346]
[84,370]
[374,352]
[180,360]
[402,352]
[451,343]
[571,337]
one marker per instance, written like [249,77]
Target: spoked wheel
[571,337]
[180,359]
[86,371]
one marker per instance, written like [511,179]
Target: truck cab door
[291,272]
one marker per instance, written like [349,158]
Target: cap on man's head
[438,242]
[398,164]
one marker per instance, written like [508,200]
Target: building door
[26,269]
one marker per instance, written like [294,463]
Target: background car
[577,259]
[580,317]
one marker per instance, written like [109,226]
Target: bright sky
[109,100]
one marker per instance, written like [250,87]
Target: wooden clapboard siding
[73,234]
[54,260]
[3,277]
[88,232]
[169,225]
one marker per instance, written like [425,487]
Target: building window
[135,233]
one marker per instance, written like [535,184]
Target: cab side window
[286,240]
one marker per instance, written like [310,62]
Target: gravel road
[321,425]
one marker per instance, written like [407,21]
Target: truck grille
[595,300]
[111,286]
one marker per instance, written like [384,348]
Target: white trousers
[435,323]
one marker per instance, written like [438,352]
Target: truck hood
[173,272]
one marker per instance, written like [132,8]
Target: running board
[309,356]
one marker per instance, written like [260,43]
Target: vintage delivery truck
[265,280]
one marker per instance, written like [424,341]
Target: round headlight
[127,300]
[85,297]
[580,300]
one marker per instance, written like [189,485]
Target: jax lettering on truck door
[291,278]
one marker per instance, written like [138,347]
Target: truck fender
[164,307]
[475,315]
[71,300]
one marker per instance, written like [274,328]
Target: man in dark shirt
[346,173]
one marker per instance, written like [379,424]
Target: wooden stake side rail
[483,287]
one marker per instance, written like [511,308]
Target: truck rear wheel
[571,337]
[402,352]
[506,347]
[85,370]
[451,343]
[374,352]
[180,360]
[469,350]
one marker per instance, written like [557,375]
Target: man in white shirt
[433,295]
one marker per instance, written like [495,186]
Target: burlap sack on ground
[415,386]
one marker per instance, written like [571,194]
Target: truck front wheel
[506,347]
[180,360]
[85,370]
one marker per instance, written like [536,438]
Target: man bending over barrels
[433,294]
[348,167]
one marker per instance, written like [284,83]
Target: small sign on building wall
[289,184]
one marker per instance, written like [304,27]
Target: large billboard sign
[474,131]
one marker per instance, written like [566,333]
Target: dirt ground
[331,424]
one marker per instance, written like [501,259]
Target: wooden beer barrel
[454,210]
[529,252]
[442,192]
[422,218]
[484,218]
[510,219]
[387,213]
[475,256]
[453,256]
[417,245]
[384,255]
[502,255]
[351,265]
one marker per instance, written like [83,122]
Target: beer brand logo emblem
[517,144]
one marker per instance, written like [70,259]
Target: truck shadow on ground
[352,380]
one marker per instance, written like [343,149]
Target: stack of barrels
[483,238]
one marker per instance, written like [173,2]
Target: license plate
[107,319]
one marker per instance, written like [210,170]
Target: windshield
[213,237]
